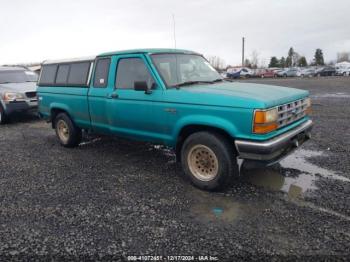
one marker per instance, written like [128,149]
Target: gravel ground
[111,198]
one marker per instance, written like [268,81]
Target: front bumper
[269,152]
[20,106]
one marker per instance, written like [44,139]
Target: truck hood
[236,94]
[18,87]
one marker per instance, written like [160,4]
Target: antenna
[174,30]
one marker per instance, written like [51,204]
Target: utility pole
[243,51]
[174,31]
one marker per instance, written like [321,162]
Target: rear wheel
[208,160]
[262,76]
[3,116]
[67,132]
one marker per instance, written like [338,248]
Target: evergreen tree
[291,52]
[290,61]
[302,61]
[319,60]
[273,62]
[282,62]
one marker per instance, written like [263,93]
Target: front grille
[291,112]
[31,94]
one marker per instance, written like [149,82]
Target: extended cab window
[48,74]
[101,72]
[62,74]
[79,73]
[131,70]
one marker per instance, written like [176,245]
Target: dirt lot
[111,198]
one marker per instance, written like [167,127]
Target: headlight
[265,121]
[308,106]
[8,96]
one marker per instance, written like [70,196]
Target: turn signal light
[265,121]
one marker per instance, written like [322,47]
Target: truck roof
[12,68]
[149,51]
[69,60]
[122,52]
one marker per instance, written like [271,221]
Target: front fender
[205,120]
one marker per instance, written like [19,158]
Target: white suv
[343,71]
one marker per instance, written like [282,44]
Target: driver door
[131,112]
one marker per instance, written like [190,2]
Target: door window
[131,70]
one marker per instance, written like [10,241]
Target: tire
[209,149]
[247,76]
[302,76]
[262,76]
[67,132]
[344,74]
[3,117]
[284,75]
[318,75]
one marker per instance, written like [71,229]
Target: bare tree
[217,62]
[343,56]
[254,59]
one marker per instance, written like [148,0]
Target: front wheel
[67,132]
[208,160]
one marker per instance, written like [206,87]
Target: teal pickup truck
[175,98]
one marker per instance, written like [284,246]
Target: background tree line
[294,59]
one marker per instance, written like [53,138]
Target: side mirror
[141,86]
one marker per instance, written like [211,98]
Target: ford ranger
[175,98]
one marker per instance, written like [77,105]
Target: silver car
[17,91]
[308,72]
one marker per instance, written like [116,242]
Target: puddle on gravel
[282,179]
[215,208]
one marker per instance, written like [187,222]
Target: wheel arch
[192,128]
[56,109]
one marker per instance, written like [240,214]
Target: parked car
[343,71]
[17,91]
[175,98]
[325,71]
[233,73]
[238,72]
[307,72]
[276,71]
[265,73]
[289,72]
[246,72]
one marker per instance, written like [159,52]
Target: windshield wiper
[217,80]
[188,83]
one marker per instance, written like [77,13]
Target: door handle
[113,96]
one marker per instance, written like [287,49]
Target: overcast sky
[32,31]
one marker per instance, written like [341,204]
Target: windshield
[17,76]
[179,69]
